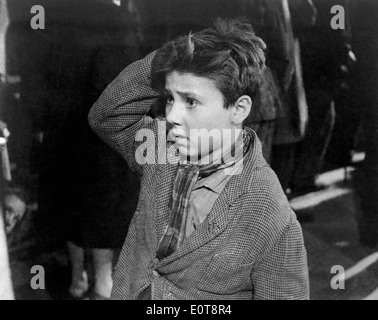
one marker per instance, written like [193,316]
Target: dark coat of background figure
[326,62]
[87,193]
[364,102]
[285,59]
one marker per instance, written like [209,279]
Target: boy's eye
[191,103]
[169,100]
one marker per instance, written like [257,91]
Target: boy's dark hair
[230,54]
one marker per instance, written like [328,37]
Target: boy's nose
[174,114]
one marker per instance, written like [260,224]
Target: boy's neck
[227,145]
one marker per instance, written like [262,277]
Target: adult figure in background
[86,188]
[286,63]
[364,20]
[325,54]
[106,195]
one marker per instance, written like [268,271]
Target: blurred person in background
[286,62]
[326,61]
[364,93]
[87,193]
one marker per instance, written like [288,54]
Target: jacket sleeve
[280,271]
[283,273]
[120,112]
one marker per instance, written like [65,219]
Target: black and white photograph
[189,150]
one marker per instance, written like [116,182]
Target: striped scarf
[186,177]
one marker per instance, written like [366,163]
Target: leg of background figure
[103,270]
[79,279]
[309,157]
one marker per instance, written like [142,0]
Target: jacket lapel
[215,223]
[165,173]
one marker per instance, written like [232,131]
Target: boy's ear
[241,109]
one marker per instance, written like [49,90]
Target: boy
[215,224]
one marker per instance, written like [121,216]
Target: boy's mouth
[179,138]
[175,136]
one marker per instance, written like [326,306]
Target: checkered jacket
[249,247]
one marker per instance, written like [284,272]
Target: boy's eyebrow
[183,93]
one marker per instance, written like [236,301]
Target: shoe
[79,290]
[77,294]
[93,295]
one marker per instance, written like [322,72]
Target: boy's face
[194,103]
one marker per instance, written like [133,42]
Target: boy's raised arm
[120,111]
